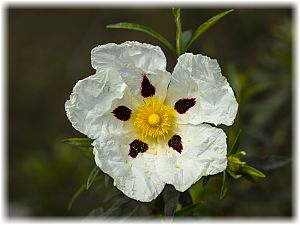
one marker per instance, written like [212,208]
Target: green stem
[176,14]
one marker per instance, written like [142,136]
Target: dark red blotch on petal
[184,104]
[122,113]
[175,143]
[136,147]
[147,89]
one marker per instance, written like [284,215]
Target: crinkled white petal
[133,60]
[133,77]
[128,54]
[135,177]
[204,153]
[92,100]
[198,76]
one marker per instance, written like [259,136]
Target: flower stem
[176,14]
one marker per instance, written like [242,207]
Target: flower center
[154,119]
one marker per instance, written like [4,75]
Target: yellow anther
[154,119]
[177,166]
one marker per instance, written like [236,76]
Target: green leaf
[188,210]
[234,175]
[205,180]
[83,144]
[225,185]
[75,196]
[236,144]
[78,192]
[252,171]
[171,198]
[185,37]
[176,14]
[203,27]
[92,177]
[144,29]
[79,142]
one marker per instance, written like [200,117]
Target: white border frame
[153,3]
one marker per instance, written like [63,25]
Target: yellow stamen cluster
[154,119]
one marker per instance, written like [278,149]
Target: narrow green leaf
[185,37]
[78,192]
[92,177]
[144,29]
[171,198]
[205,180]
[252,171]
[188,210]
[83,144]
[236,144]
[203,27]
[75,196]
[79,142]
[225,185]
[176,14]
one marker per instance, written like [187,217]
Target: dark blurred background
[48,51]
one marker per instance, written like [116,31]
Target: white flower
[148,125]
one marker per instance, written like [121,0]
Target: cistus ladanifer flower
[151,127]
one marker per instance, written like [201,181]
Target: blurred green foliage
[48,53]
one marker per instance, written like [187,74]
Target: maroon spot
[122,113]
[175,143]
[184,104]
[136,147]
[147,89]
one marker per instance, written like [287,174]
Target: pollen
[154,119]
